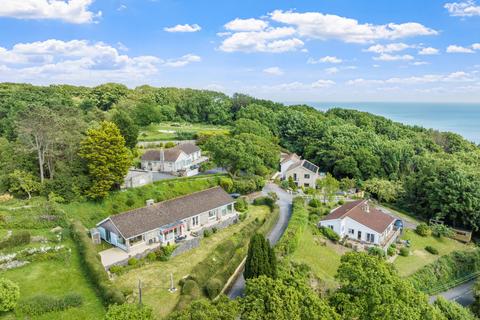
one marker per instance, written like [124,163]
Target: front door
[359,235]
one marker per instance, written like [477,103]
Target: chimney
[366,207]
[150,202]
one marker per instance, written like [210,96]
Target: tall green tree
[107,158]
[23,182]
[127,127]
[328,186]
[261,258]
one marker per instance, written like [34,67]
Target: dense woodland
[51,142]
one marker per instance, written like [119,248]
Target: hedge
[40,304]
[298,222]
[446,270]
[93,266]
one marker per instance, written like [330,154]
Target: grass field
[419,256]
[156,276]
[322,259]
[176,131]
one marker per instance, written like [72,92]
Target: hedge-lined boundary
[93,266]
[447,272]
[298,222]
[212,274]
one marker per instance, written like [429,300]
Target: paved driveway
[285,204]
[407,223]
[463,294]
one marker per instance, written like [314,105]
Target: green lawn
[57,277]
[176,131]
[419,256]
[322,259]
[156,276]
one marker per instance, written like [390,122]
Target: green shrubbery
[431,249]
[330,234]
[298,222]
[93,266]
[40,304]
[376,251]
[16,239]
[452,310]
[315,203]
[9,294]
[265,201]
[129,311]
[241,205]
[404,252]
[391,250]
[423,230]
[213,287]
[248,184]
[446,269]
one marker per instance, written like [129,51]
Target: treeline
[431,173]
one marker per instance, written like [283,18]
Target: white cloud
[121,7]
[476,46]
[275,71]
[361,82]
[428,51]
[392,47]
[183,28]
[466,8]
[327,26]
[389,57]
[458,49]
[419,63]
[78,61]
[332,70]
[182,61]
[71,11]
[458,76]
[322,83]
[326,59]
[246,25]
[269,40]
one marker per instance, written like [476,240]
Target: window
[351,231]
[306,176]
[294,177]
[230,207]
[330,226]
[224,211]
[370,237]
[212,214]
[306,185]
[136,239]
[195,221]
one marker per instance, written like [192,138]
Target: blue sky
[357,50]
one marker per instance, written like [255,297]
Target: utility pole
[139,292]
[172,286]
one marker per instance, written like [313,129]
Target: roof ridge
[348,211]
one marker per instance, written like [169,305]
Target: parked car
[235,195]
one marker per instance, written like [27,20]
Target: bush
[132,261]
[116,269]
[41,304]
[169,145]
[441,230]
[265,201]
[329,234]
[452,310]
[248,185]
[376,251]
[315,203]
[129,311]
[288,243]
[214,230]
[226,184]
[9,294]
[213,287]
[341,202]
[151,256]
[17,239]
[423,230]
[191,288]
[93,266]
[391,251]
[431,249]
[404,252]
[207,233]
[241,205]
[130,202]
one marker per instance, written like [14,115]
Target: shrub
[165,252]
[441,230]
[241,205]
[151,256]
[9,294]
[129,311]
[93,266]
[190,288]
[329,234]
[207,233]
[423,230]
[265,201]
[17,239]
[341,202]
[452,310]
[226,184]
[404,252]
[214,230]
[315,203]
[391,251]
[213,287]
[298,222]
[376,251]
[431,249]
[132,261]
[130,202]
[116,269]
[169,145]
[284,184]
[41,304]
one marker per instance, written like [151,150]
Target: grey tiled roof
[171,154]
[138,221]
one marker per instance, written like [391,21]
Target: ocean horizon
[461,118]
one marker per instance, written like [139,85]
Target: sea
[461,118]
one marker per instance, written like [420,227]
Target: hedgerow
[298,222]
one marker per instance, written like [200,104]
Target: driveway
[285,204]
[407,223]
[462,294]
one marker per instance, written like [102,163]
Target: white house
[180,157]
[164,222]
[359,221]
[303,172]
